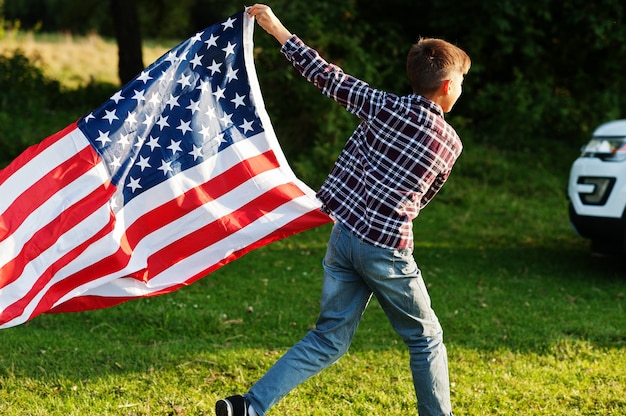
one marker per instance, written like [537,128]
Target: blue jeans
[353,271]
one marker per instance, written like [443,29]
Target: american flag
[177,174]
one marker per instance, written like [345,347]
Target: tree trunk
[128,36]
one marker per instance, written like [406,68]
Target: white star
[103,137]
[196,152]
[175,146]
[215,67]
[116,162]
[153,143]
[171,57]
[211,113]
[205,132]
[145,77]
[231,74]
[184,80]
[166,167]
[226,119]
[131,119]
[246,126]
[229,49]
[139,96]
[229,23]
[197,60]
[184,127]
[143,163]
[194,106]
[110,115]
[149,120]
[172,102]
[117,97]
[162,122]
[212,41]
[219,93]
[155,99]
[238,100]
[197,37]
[205,86]
[134,184]
[89,117]
[123,141]
[139,142]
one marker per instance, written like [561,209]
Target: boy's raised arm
[266,18]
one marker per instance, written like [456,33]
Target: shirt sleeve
[350,92]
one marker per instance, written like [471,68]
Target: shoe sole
[223,408]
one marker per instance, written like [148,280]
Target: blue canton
[191,103]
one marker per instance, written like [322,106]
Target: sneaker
[232,406]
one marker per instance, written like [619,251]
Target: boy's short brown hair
[431,61]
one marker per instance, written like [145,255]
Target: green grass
[534,324]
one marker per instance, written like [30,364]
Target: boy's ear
[446,86]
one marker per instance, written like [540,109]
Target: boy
[390,168]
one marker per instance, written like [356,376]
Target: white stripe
[51,209]
[33,170]
[78,234]
[197,263]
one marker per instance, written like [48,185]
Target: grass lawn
[534,324]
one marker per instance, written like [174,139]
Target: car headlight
[594,190]
[606,148]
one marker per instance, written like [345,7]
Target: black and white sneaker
[232,406]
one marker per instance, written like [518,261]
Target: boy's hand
[267,20]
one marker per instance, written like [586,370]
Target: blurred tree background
[543,70]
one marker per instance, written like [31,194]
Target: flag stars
[238,100]
[184,80]
[215,67]
[144,76]
[219,93]
[172,102]
[153,143]
[139,96]
[229,49]
[205,132]
[246,126]
[110,116]
[117,97]
[227,119]
[103,137]
[196,61]
[175,146]
[162,122]
[184,127]
[211,41]
[131,119]
[144,163]
[166,167]
[228,23]
[231,74]
[193,106]
[196,152]
[134,184]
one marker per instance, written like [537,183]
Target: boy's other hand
[266,18]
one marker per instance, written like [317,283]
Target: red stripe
[33,151]
[309,220]
[17,308]
[200,195]
[156,219]
[42,190]
[47,236]
[210,234]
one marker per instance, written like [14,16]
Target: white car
[597,189]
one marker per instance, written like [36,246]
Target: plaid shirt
[394,163]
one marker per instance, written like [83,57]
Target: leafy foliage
[542,70]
